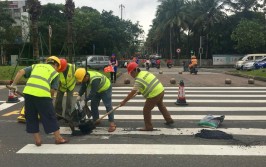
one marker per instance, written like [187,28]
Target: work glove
[79,98]
[13,87]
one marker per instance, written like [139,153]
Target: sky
[134,10]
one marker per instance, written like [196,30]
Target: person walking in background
[38,94]
[114,63]
[67,84]
[100,89]
[152,89]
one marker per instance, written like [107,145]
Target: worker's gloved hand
[13,87]
[79,98]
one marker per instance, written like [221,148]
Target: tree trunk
[35,40]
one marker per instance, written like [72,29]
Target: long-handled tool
[102,117]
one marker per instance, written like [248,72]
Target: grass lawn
[252,73]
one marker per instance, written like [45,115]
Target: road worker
[38,94]
[67,84]
[152,89]
[100,89]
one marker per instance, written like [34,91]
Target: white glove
[14,87]
[79,98]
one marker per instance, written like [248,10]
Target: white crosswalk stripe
[236,103]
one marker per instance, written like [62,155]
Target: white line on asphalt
[185,108]
[7,105]
[196,101]
[201,91]
[148,149]
[199,95]
[168,131]
[208,88]
[193,117]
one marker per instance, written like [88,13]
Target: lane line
[208,88]
[7,105]
[200,91]
[195,101]
[199,95]
[186,108]
[169,132]
[147,149]
[193,117]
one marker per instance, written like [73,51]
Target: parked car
[248,65]
[249,57]
[260,64]
[96,61]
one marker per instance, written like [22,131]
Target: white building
[20,15]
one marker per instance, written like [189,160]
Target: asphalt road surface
[243,104]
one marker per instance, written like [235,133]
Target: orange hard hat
[131,66]
[63,63]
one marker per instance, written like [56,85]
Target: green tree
[250,36]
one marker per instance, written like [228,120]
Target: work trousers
[150,104]
[59,103]
[106,97]
[42,106]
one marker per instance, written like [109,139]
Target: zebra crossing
[245,115]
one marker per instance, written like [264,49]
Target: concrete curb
[247,76]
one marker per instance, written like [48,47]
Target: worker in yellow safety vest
[100,89]
[67,84]
[38,94]
[152,89]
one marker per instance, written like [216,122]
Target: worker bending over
[152,89]
[100,89]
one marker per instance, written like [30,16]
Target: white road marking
[192,117]
[206,88]
[186,108]
[7,105]
[199,95]
[147,149]
[195,101]
[201,91]
[169,132]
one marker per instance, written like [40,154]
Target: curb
[247,76]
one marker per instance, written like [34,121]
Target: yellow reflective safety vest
[150,85]
[39,82]
[104,84]
[69,82]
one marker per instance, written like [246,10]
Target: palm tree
[207,13]
[34,7]
[170,14]
[69,12]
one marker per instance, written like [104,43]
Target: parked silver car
[96,61]
[249,65]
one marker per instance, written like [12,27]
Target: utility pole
[121,7]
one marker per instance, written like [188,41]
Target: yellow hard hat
[80,74]
[193,57]
[54,59]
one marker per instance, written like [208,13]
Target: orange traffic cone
[181,99]
[12,98]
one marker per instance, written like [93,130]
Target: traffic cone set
[12,98]
[181,99]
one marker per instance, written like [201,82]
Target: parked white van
[96,61]
[248,57]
